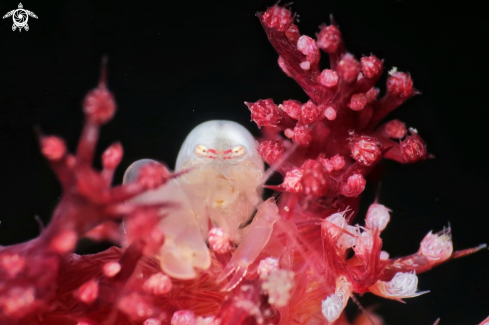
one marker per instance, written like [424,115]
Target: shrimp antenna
[40,223]
[102,83]
[362,309]
[276,165]
[377,194]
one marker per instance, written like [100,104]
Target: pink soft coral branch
[30,271]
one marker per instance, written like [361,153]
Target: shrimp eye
[201,150]
[238,151]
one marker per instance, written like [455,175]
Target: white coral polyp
[267,266]
[183,317]
[338,219]
[219,241]
[278,286]
[332,307]
[377,217]
[403,285]
[437,247]
[334,304]
[346,240]
[343,289]
[334,224]
[344,234]
[207,321]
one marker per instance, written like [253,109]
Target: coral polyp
[200,245]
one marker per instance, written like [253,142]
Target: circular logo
[20,17]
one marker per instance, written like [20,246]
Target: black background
[175,64]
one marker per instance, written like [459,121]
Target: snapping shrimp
[221,187]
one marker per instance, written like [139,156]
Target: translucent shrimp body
[224,175]
[220,186]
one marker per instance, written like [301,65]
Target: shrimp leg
[257,236]
[184,248]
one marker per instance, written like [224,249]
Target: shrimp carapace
[224,173]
